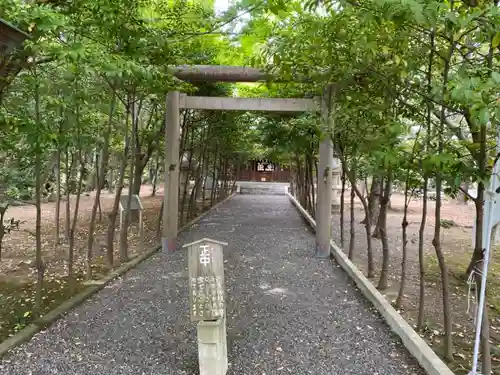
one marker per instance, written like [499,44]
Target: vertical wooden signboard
[206,279]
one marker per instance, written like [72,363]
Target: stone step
[259,188]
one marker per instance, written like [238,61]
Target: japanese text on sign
[267,167]
[205,255]
[207,295]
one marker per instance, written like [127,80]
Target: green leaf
[496,76]
[496,40]
[483,116]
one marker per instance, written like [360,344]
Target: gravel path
[288,313]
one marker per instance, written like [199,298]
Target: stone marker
[207,303]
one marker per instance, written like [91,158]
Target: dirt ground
[18,252]
[456,242]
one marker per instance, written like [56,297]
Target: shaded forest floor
[17,271]
[457,242]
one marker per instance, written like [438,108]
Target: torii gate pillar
[171,191]
[325,182]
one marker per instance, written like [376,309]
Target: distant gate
[263,171]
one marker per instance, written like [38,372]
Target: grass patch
[17,299]
[448,223]
[17,302]
[457,265]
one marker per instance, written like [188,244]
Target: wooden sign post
[136,211]
[207,303]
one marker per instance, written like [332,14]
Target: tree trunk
[199,180]
[404,256]
[100,182]
[71,252]
[301,189]
[436,242]
[342,207]
[292,181]
[238,167]
[184,192]
[158,222]
[111,177]
[382,224]
[306,186]
[128,213]
[226,177]
[3,210]
[185,184]
[116,204]
[205,175]
[91,177]
[39,264]
[140,165]
[155,176]
[368,224]
[219,185]
[373,200]
[477,255]
[423,220]
[214,182]
[421,257]
[316,171]
[310,182]
[69,170]
[352,223]
[377,231]
[57,218]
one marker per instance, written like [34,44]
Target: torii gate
[176,101]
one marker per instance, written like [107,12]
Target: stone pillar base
[169,244]
[212,347]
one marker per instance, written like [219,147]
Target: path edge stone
[418,348]
[40,324]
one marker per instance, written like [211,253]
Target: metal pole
[171,192]
[325,181]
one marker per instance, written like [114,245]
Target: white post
[171,193]
[212,347]
[324,201]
